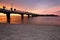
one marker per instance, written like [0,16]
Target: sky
[34,6]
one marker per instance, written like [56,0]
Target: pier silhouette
[8,12]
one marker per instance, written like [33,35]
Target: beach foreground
[29,32]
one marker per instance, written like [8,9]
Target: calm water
[35,28]
[32,20]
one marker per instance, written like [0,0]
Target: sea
[33,28]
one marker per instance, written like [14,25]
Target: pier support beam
[8,17]
[28,16]
[32,15]
[22,16]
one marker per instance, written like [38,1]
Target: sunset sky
[35,6]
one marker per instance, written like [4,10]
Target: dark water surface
[36,28]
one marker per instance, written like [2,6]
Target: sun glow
[15,15]
[2,14]
[38,10]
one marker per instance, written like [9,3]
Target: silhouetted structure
[14,9]
[4,7]
[11,9]
[8,17]
[8,12]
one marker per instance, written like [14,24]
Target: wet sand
[29,32]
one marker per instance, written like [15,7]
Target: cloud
[34,5]
[57,12]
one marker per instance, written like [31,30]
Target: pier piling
[8,17]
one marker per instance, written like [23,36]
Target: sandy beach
[29,32]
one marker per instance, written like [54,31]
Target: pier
[22,13]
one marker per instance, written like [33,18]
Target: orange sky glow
[52,10]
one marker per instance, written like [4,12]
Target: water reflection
[25,21]
[45,20]
[3,19]
[18,20]
[32,20]
[14,20]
